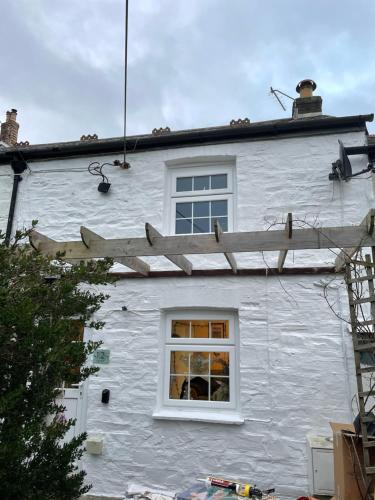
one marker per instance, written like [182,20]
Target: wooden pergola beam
[89,237]
[228,255]
[180,261]
[346,255]
[289,233]
[256,241]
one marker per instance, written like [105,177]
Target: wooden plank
[89,237]
[37,239]
[257,241]
[153,235]
[228,255]
[365,347]
[361,279]
[289,232]
[347,254]
[365,300]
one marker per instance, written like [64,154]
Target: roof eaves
[191,137]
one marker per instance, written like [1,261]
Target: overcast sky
[192,63]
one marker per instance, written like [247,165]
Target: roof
[272,129]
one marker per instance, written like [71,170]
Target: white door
[73,399]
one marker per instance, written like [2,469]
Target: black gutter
[263,130]
[18,167]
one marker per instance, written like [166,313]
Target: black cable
[125,72]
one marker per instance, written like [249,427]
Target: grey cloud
[191,63]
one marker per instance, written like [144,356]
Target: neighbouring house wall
[6,184]
[296,372]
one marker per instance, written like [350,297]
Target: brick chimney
[9,128]
[307,105]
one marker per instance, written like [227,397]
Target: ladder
[360,276]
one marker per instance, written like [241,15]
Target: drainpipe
[18,166]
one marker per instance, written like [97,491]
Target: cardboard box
[348,462]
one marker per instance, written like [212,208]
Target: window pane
[183,210]
[179,362]
[219,207]
[183,226]
[223,221]
[198,388]
[201,225]
[219,363]
[220,329]
[219,181]
[184,184]
[219,389]
[178,387]
[199,363]
[181,328]
[202,182]
[201,208]
[199,329]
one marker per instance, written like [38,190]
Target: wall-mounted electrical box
[94,445]
[320,465]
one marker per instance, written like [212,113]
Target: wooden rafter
[345,256]
[88,238]
[228,255]
[153,236]
[173,247]
[289,233]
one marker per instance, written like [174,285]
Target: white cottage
[208,370]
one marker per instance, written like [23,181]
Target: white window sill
[217,417]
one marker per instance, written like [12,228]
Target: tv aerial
[275,93]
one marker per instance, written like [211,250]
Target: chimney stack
[307,105]
[9,128]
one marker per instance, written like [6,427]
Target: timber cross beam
[348,239]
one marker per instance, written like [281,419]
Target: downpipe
[18,166]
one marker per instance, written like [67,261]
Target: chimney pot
[305,88]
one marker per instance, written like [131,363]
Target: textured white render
[6,184]
[296,363]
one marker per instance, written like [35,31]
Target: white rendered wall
[294,367]
[273,178]
[6,185]
[294,380]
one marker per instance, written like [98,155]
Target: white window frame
[204,168]
[210,411]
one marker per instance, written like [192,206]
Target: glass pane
[184,184]
[201,182]
[199,329]
[219,389]
[183,226]
[178,387]
[223,221]
[220,329]
[219,207]
[198,388]
[219,181]
[183,210]
[199,363]
[179,362]
[220,363]
[201,225]
[201,208]
[180,328]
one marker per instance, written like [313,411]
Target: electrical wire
[125,72]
